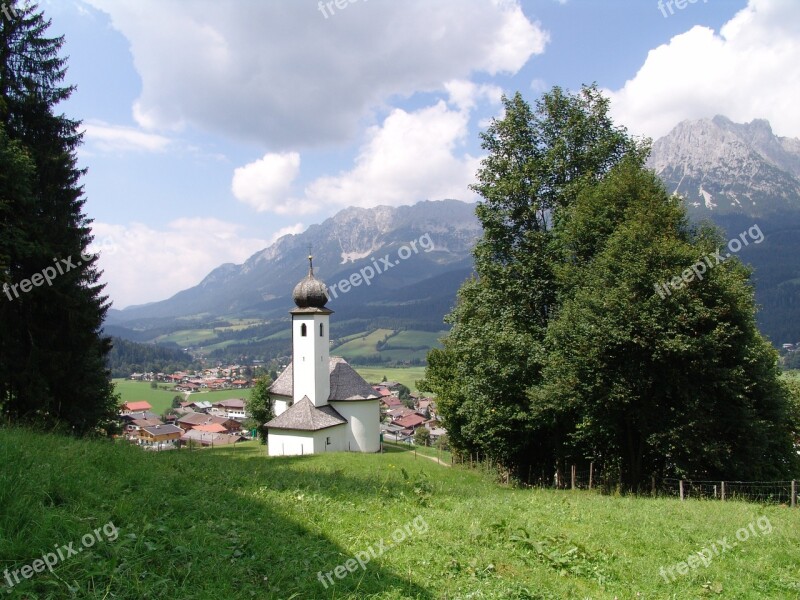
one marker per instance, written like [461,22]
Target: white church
[321,403]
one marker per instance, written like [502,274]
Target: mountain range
[735,175]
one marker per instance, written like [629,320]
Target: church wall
[279,405]
[363,430]
[287,442]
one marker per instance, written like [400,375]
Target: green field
[130,391]
[227,523]
[400,347]
[408,376]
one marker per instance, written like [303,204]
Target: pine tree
[53,354]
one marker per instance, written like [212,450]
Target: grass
[408,376]
[442,455]
[362,346]
[161,400]
[228,523]
[401,347]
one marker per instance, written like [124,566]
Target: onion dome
[310,292]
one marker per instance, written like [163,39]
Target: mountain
[737,176]
[720,167]
[415,257]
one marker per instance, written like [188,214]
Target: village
[198,423]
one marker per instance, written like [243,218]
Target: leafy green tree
[538,161]
[682,384]
[422,437]
[52,354]
[260,407]
[176,401]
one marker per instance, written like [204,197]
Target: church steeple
[311,339]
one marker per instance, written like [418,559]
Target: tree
[52,354]
[176,401]
[680,385]
[422,436]
[538,161]
[260,407]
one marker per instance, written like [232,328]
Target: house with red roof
[131,407]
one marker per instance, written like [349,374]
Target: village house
[192,420]
[132,407]
[232,409]
[159,436]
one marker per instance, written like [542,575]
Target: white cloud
[289,230]
[117,138]
[749,70]
[465,95]
[280,73]
[142,264]
[412,156]
[265,184]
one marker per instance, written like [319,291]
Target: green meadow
[131,391]
[232,523]
[408,376]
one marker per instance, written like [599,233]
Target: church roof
[307,417]
[346,383]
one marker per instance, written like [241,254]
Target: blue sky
[215,126]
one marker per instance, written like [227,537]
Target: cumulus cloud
[265,183]
[412,156]
[288,230]
[281,73]
[750,69]
[116,138]
[142,264]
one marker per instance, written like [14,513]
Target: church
[321,403]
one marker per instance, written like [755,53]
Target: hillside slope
[230,523]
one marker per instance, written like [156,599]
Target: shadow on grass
[190,525]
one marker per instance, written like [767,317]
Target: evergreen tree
[52,354]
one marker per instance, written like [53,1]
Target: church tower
[310,340]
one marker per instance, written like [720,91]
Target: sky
[213,127]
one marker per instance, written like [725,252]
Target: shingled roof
[346,383]
[307,417]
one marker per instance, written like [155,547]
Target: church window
[303,330]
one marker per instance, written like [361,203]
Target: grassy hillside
[231,523]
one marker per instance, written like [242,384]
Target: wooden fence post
[591,473]
[680,487]
[794,493]
[653,485]
[573,477]
[722,490]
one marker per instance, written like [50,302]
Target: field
[131,391]
[408,376]
[400,346]
[228,523]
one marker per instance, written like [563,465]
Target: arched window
[321,330]
[303,330]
